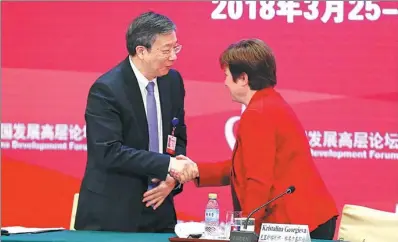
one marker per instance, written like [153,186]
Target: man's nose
[173,55]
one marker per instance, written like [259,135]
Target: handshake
[183,169]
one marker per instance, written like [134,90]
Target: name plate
[284,233]
[240,222]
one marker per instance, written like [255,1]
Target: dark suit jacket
[118,161]
[272,153]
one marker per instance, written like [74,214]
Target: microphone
[252,236]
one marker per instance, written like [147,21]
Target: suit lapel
[165,104]
[133,93]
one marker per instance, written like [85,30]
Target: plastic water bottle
[212,216]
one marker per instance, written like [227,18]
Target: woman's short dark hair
[253,57]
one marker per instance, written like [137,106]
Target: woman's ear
[243,79]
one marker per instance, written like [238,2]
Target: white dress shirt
[143,82]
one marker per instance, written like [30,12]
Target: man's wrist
[175,182]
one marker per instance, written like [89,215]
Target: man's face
[237,89]
[160,58]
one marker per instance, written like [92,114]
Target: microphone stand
[249,236]
[257,209]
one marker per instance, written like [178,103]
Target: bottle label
[212,215]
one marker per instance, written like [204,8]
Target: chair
[362,224]
[74,208]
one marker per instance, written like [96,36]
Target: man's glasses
[176,50]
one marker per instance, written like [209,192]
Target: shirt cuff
[170,165]
[178,185]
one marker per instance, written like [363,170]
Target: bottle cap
[213,195]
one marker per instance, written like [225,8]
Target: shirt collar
[142,80]
[259,95]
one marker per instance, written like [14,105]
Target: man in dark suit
[126,185]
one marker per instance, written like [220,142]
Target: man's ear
[243,79]
[140,50]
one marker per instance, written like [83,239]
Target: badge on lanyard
[171,139]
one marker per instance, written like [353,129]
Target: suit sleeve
[181,129]
[214,174]
[258,152]
[105,139]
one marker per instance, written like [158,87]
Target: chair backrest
[362,224]
[74,208]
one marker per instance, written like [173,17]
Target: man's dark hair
[253,57]
[145,28]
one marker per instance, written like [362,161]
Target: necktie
[152,119]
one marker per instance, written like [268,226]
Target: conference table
[94,236]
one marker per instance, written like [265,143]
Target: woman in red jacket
[271,151]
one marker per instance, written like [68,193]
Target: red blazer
[272,153]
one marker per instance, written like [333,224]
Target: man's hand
[184,169]
[157,195]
